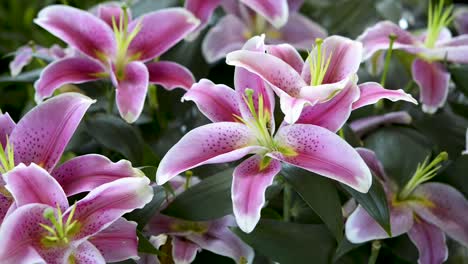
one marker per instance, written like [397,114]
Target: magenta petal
[370,158]
[229,34]
[84,173]
[461,20]
[333,113]
[452,50]
[248,190]
[203,10]
[42,134]
[173,25]
[288,54]
[32,184]
[217,102]
[6,127]
[368,124]
[445,208]
[170,75]
[5,204]
[430,242]
[292,107]
[112,10]
[361,227]
[376,38]
[433,81]
[272,69]
[65,71]
[274,11]
[22,58]
[107,203]
[300,32]
[86,253]
[208,144]
[184,251]
[372,92]
[323,152]
[117,242]
[79,29]
[131,91]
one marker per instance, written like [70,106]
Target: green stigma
[60,232]
[124,39]
[7,158]
[424,172]
[195,227]
[318,63]
[437,19]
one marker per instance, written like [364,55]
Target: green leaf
[374,202]
[144,6]
[142,216]
[320,194]
[144,246]
[459,74]
[209,199]
[350,136]
[343,248]
[455,174]
[29,76]
[291,243]
[114,133]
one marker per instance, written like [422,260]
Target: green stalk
[376,245]
[287,197]
[388,56]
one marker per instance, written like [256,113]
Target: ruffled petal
[321,151]
[84,173]
[41,135]
[184,251]
[367,124]
[131,90]
[248,190]
[22,58]
[170,75]
[79,29]
[229,34]
[173,25]
[118,242]
[372,92]
[430,242]
[217,102]
[433,81]
[444,207]
[300,32]
[6,127]
[287,53]
[361,227]
[65,71]
[208,144]
[274,11]
[203,10]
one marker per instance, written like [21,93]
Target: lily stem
[376,245]
[388,56]
[287,197]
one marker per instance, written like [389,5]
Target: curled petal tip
[429,109]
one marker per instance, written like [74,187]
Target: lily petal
[361,227]
[208,144]
[300,32]
[376,38]
[184,251]
[374,164]
[6,127]
[84,173]
[41,135]
[131,91]
[433,81]
[118,242]
[367,124]
[453,50]
[5,204]
[217,102]
[445,208]
[430,242]
[248,190]
[229,34]
[79,29]
[274,11]
[372,92]
[292,107]
[333,113]
[288,54]
[170,75]
[22,58]
[321,151]
[203,10]
[65,71]
[173,23]
[86,253]
[461,20]
[107,203]
[294,5]
[33,184]
[112,11]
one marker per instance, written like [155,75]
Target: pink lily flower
[425,211]
[244,124]
[364,125]
[279,20]
[46,229]
[435,45]
[40,138]
[460,20]
[115,46]
[25,54]
[326,80]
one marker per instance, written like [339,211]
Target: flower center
[437,19]
[188,226]
[60,231]
[7,158]
[424,172]
[318,62]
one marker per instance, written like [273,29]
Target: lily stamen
[437,19]
[318,63]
